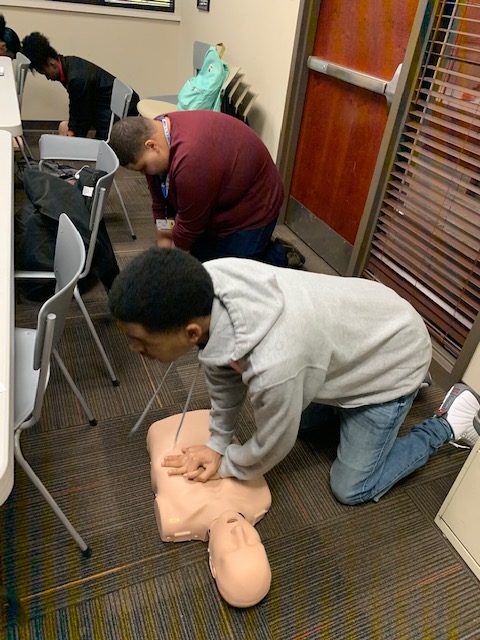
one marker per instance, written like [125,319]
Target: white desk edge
[10,119]
[7,304]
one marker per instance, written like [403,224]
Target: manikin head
[43,57]
[9,41]
[140,145]
[238,561]
[162,300]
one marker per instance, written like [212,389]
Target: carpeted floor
[378,571]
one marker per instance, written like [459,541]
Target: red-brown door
[342,125]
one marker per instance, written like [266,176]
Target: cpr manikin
[222,511]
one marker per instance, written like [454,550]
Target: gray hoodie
[289,338]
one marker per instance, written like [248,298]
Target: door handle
[357,78]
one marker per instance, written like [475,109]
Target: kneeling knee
[343,496]
[344,490]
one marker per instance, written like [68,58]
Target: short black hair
[128,136]
[9,37]
[38,50]
[163,290]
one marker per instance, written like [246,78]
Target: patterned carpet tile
[381,570]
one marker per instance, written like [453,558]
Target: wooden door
[342,125]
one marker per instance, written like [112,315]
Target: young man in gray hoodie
[289,339]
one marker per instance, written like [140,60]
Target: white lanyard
[165,183]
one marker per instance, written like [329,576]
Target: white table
[149,108]
[6,314]
[10,119]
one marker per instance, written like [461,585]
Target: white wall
[155,55]
[135,49]
[259,37]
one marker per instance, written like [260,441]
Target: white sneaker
[460,407]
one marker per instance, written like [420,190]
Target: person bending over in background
[289,339]
[89,87]
[215,176]
[9,41]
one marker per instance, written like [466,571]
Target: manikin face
[51,70]
[235,535]
[238,561]
[165,347]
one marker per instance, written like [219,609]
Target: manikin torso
[222,511]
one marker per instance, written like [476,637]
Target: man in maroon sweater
[214,176]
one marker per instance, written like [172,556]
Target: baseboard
[40,125]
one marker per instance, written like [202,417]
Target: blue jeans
[247,243]
[371,457]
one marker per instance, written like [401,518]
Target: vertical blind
[426,243]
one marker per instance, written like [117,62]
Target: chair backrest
[199,51]
[120,102]
[68,265]
[22,65]
[106,161]
[53,147]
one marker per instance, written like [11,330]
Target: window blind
[426,243]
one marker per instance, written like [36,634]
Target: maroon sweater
[221,178]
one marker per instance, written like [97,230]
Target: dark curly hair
[163,290]
[38,50]
[9,37]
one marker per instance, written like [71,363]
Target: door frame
[296,90]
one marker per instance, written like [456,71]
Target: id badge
[165,224]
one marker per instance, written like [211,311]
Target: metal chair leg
[86,551]
[125,213]
[21,145]
[29,151]
[74,388]
[86,315]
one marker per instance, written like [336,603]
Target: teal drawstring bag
[204,91]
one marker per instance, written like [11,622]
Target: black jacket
[36,226]
[89,89]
